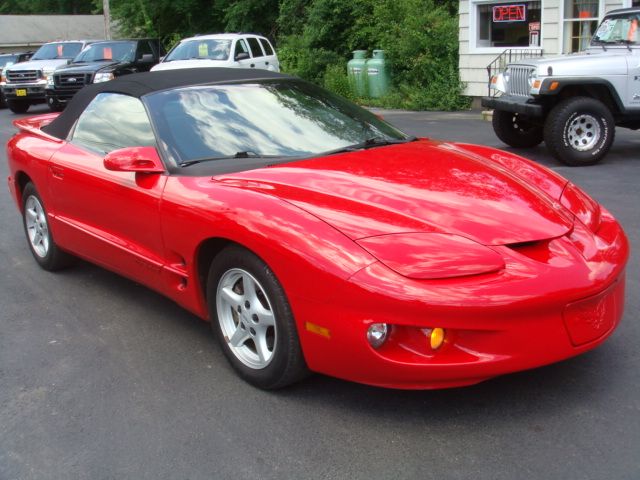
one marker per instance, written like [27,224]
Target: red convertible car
[316,237]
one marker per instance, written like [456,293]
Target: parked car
[573,102]
[233,50]
[315,236]
[24,83]
[6,60]
[101,62]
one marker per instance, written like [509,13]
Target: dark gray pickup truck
[101,62]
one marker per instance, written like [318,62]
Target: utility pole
[107,19]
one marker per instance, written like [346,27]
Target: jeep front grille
[71,81]
[23,76]
[518,83]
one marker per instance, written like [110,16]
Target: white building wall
[473,61]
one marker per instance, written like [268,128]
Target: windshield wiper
[370,143]
[245,154]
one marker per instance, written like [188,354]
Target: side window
[255,47]
[144,48]
[267,46]
[112,121]
[241,47]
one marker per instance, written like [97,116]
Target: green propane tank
[378,77]
[357,73]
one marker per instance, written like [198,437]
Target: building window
[508,24]
[580,23]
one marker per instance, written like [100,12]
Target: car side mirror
[134,159]
[241,56]
[147,58]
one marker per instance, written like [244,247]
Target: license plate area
[21,92]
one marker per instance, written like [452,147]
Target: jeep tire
[516,129]
[579,131]
[18,106]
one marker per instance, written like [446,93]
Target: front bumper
[59,95]
[28,92]
[515,104]
[543,308]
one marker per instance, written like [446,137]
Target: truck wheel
[579,131]
[17,106]
[516,130]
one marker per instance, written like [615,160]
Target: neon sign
[510,13]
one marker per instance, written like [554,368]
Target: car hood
[199,63]
[611,62]
[86,67]
[421,186]
[39,64]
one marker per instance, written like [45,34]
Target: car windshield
[52,51]
[618,29]
[7,60]
[116,51]
[211,49]
[271,119]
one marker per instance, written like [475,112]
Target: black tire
[3,101]
[516,130]
[18,106]
[50,258]
[55,105]
[286,364]
[579,131]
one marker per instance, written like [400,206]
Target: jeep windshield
[618,30]
[52,51]
[112,51]
[211,49]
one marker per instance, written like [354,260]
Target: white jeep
[573,102]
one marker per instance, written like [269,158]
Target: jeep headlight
[103,77]
[499,82]
[534,82]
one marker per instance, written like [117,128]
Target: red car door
[110,218]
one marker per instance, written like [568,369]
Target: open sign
[509,13]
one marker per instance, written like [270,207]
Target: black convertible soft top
[139,84]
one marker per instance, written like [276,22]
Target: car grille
[71,81]
[23,76]
[518,83]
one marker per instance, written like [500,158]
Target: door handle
[252,65]
[56,171]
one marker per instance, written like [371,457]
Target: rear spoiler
[34,125]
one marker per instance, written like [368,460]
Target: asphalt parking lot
[101,378]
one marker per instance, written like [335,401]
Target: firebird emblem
[595,317]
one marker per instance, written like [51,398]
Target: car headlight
[586,209]
[103,77]
[432,255]
[50,81]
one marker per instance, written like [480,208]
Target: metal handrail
[505,58]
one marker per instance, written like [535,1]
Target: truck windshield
[211,49]
[52,51]
[618,29]
[116,51]
[6,60]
